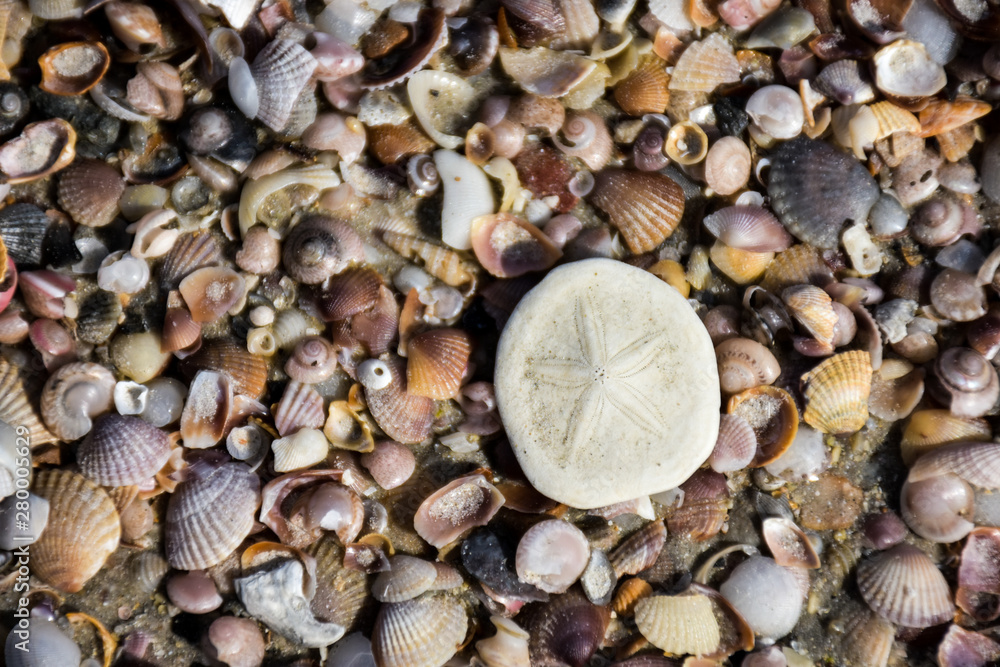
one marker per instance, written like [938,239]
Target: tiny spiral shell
[587,138]
[319,247]
[313,360]
[422,176]
[73,395]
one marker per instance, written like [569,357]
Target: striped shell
[15,408]
[836,393]
[644,90]
[303,449]
[89,191]
[748,228]
[905,587]
[437,362]
[424,632]
[403,416]
[443,263]
[281,70]
[679,624]
[247,372]
[408,578]
[123,450]
[349,293]
[736,445]
[209,515]
[645,207]
[21,226]
[189,253]
[978,463]
[704,509]
[640,550]
[83,530]
[813,308]
[744,364]
[929,429]
[300,406]
[705,65]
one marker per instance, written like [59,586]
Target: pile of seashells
[256,258]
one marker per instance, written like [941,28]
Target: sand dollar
[607,385]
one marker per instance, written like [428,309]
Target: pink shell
[300,406]
[456,508]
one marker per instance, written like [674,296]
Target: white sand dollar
[607,385]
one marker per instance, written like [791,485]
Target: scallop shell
[868,640]
[403,416]
[73,395]
[21,227]
[300,406]
[679,624]
[377,327]
[15,408]
[978,463]
[304,448]
[836,393]
[799,265]
[209,515]
[83,530]
[247,372]
[813,308]
[408,578]
[342,595]
[741,266]
[281,71]
[704,509]
[893,118]
[645,207]
[348,293]
[705,65]
[772,414]
[751,228]
[148,569]
[903,586]
[736,445]
[179,330]
[640,550]
[189,253]
[929,429]
[437,363]
[629,594]
[418,633]
[815,189]
[89,191]
[123,450]
[460,505]
[443,263]
[644,90]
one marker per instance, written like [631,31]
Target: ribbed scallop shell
[408,578]
[437,362]
[16,409]
[736,445]
[281,71]
[190,252]
[342,594]
[801,264]
[704,509]
[867,640]
[83,530]
[148,569]
[815,189]
[928,429]
[349,293]
[640,550]
[581,25]
[425,632]
[247,372]
[748,228]
[22,226]
[208,516]
[705,65]
[813,308]
[741,266]
[443,263]
[122,450]
[645,207]
[772,414]
[73,395]
[403,416]
[567,631]
[644,90]
[679,624]
[300,406]
[179,330]
[903,586]
[393,143]
[836,393]
[892,118]
[842,81]
[89,191]
[978,463]
[302,449]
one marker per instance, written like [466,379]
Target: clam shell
[429,35]
[679,624]
[209,515]
[455,508]
[83,530]
[928,429]
[836,393]
[868,640]
[342,595]
[815,189]
[813,308]
[247,372]
[772,414]
[789,546]
[961,647]
[437,363]
[645,207]
[43,148]
[73,68]
[403,416]
[704,509]
[705,65]
[903,586]
[741,266]
[443,263]
[300,406]
[418,633]
[123,450]
[89,191]
[408,578]
[21,227]
[211,291]
[281,71]
[644,90]
[567,631]
[206,410]
[640,550]
[73,395]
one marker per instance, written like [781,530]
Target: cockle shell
[455,508]
[644,90]
[437,362]
[903,586]
[123,450]
[567,631]
[813,308]
[645,207]
[640,550]
[304,448]
[21,226]
[189,253]
[836,393]
[751,228]
[704,509]
[89,191]
[282,70]
[206,410]
[15,408]
[403,416]
[83,530]
[705,65]
[407,578]
[679,624]
[300,406]
[736,445]
[209,515]
[418,633]
[73,395]
[929,429]
[247,372]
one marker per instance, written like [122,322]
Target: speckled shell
[281,71]
[705,65]
[644,90]
[815,188]
[83,530]
[836,393]
[208,516]
[425,632]
[403,416]
[645,207]
[123,450]
[679,624]
[640,550]
[247,372]
[89,191]
[437,362]
[300,406]
[903,586]
[408,578]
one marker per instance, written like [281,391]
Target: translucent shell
[73,68]
[73,395]
[418,633]
[123,450]
[403,416]
[437,362]
[508,246]
[705,65]
[679,624]
[929,429]
[209,515]
[83,530]
[89,191]
[903,586]
[836,393]
[640,550]
[644,90]
[772,414]
[443,263]
[552,555]
[455,508]
[645,207]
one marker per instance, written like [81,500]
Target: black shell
[23,227]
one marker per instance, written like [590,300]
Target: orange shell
[836,393]
[73,68]
[644,90]
[645,207]
[775,425]
[438,360]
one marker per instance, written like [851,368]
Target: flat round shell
[607,385]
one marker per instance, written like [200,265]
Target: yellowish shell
[929,429]
[83,530]
[836,393]
[444,264]
[956,144]
[892,118]
[644,90]
[941,116]
[813,308]
[799,265]
[345,430]
[741,266]
[679,624]
[437,363]
[706,65]
[15,409]
[686,143]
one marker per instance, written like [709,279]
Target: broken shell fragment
[508,246]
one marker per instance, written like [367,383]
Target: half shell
[645,207]
[418,633]
[903,586]
[836,393]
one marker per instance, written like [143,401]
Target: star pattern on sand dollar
[602,379]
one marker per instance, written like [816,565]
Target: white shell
[302,449]
[255,192]
[467,195]
[679,624]
[432,93]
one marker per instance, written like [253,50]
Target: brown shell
[704,510]
[73,68]
[211,291]
[836,393]
[407,578]
[567,631]
[940,116]
[319,247]
[403,416]
[189,253]
[391,144]
[15,408]
[443,263]
[247,372]
[89,191]
[437,362]
[645,207]
[640,550]
[349,293]
[300,406]
[644,90]
[508,246]
[905,587]
[629,593]
[83,530]
[799,265]
[772,414]
[122,450]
